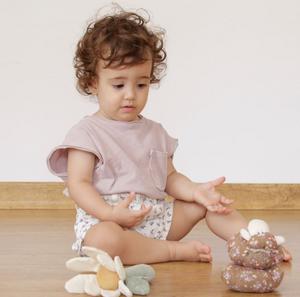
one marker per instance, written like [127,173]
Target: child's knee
[106,236]
[195,211]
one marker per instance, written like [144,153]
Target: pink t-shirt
[131,156]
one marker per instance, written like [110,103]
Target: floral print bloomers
[155,225]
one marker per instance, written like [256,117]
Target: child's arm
[182,188]
[80,176]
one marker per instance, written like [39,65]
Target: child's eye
[119,86]
[142,85]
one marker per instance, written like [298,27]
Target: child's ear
[93,87]
[93,90]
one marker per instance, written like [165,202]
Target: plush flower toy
[256,255]
[102,276]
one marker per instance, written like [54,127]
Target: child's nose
[130,94]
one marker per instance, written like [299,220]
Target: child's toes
[286,255]
[205,258]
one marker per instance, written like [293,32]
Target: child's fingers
[143,211]
[140,214]
[227,210]
[212,208]
[225,200]
[224,210]
[218,181]
[128,200]
[217,198]
[218,208]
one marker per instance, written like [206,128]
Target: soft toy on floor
[256,255]
[102,276]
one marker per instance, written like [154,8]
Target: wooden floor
[34,246]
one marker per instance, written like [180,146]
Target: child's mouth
[128,108]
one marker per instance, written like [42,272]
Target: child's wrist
[108,214]
[197,197]
[113,216]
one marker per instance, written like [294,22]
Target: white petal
[280,239]
[76,284]
[82,264]
[109,293]
[90,251]
[245,234]
[124,289]
[120,268]
[91,286]
[257,226]
[106,261]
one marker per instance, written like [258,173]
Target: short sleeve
[77,138]
[170,142]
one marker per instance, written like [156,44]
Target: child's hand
[129,218]
[206,195]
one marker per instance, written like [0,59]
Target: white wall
[231,94]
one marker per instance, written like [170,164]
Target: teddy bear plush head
[255,254]
[256,247]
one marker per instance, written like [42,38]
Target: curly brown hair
[119,39]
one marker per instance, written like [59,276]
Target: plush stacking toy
[102,276]
[256,255]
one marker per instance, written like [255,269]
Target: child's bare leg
[225,225]
[134,248]
[185,216]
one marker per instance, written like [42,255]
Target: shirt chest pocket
[158,168]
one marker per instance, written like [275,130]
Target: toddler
[118,165]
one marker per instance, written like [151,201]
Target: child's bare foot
[287,257]
[193,251]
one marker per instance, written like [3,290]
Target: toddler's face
[122,92]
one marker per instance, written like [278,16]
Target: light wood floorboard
[36,243]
